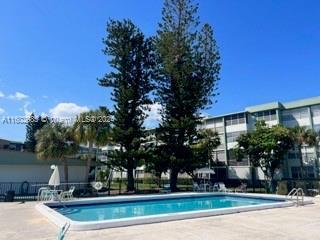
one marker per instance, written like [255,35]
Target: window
[233,136]
[296,172]
[234,160]
[214,123]
[316,127]
[235,119]
[219,156]
[269,115]
[219,129]
[315,110]
[292,115]
[210,121]
[309,157]
[292,155]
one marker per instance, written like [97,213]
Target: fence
[29,190]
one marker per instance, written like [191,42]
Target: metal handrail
[298,192]
[291,193]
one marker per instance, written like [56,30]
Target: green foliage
[187,73]
[202,150]
[34,124]
[92,128]
[131,56]
[303,136]
[265,147]
[56,142]
[157,162]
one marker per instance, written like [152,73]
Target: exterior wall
[38,173]
[243,173]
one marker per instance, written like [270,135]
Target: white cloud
[18,96]
[26,110]
[2,94]
[2,111]
[45,96]
[154,116]
[67,110]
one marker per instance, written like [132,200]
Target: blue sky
[50,52]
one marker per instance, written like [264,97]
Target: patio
[23,221]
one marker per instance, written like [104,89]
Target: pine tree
[187,73]
[34,124]
[131,57]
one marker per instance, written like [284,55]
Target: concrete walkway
[23,221]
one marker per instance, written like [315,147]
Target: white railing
[297,195]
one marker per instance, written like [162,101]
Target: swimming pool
[88,214]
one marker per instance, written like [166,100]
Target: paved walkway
[23,221]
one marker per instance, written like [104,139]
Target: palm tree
[303,136]
[55,141]
[92,128]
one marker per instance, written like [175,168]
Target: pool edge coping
[59,219]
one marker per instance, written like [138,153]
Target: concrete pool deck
[22,221]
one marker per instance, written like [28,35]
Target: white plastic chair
[43,194]
[220,187]
[67,195]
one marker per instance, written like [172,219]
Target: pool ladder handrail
[296,192]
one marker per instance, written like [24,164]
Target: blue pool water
[118,210]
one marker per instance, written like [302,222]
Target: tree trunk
[173,180]
[89,162]
[158,176]
[130,178]
[66,173]
[272,183]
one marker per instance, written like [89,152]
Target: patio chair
[220,187]
[67,195]
[44,194]
[196,187]
[242,188]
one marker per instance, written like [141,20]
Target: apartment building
[304,112]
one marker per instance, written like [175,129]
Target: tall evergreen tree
[187,74]
[131,57]
[34,124]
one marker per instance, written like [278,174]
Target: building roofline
[222,115]
[302,102]
[273,105]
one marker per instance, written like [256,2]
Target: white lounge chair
[242,188]
[67,195]
[220,187]
[46,194]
